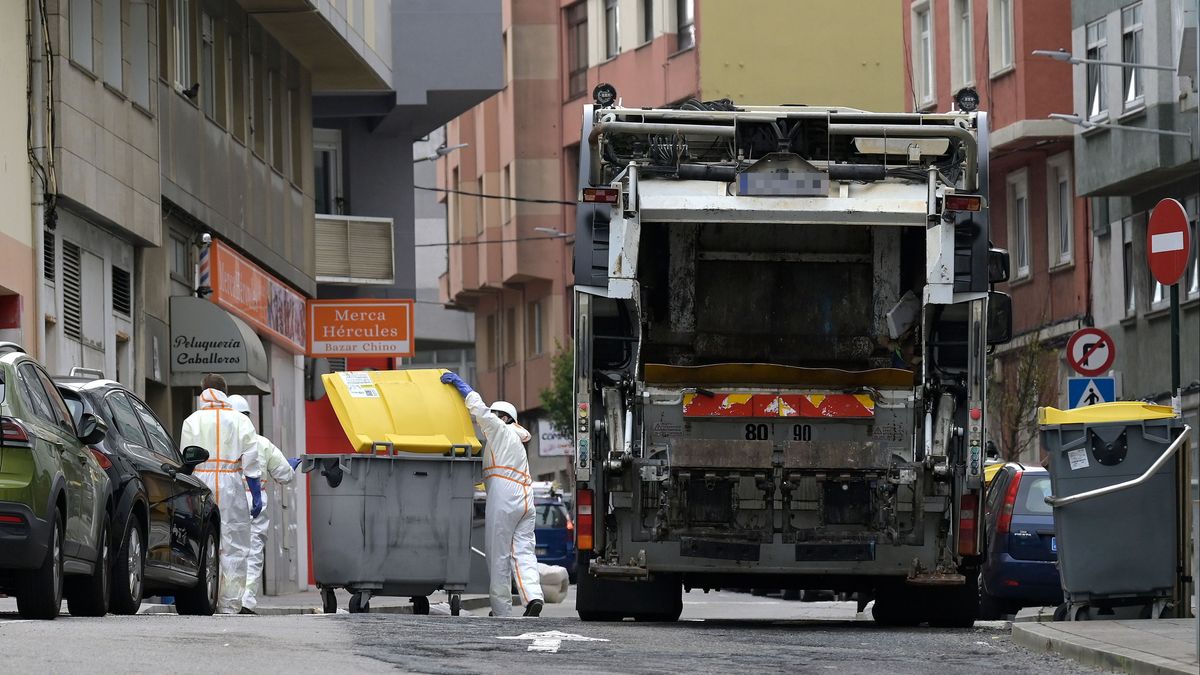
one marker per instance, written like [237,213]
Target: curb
[1090,652]
[467,604]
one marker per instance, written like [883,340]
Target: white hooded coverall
[232,448]
[510,512]
[274,462]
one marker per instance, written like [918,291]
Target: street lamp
[441,152]
[1079,121]
[1065,56]
[551,231]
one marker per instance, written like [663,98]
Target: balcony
[341,55]
[355,250]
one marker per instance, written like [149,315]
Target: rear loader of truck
[782,317]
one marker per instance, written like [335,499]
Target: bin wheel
[420,605]
[455,604]
[360,604]
[1060,612]
[328,601]
[1081,613]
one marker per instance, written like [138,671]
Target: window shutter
[371,250]
[48,270]
[122,293]
[354,250]
[72,292]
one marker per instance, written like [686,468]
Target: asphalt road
[719,632]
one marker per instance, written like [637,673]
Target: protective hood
[214,399]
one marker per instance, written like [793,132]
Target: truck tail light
[1004,522]
[968,524]
[13,432]
[601,195]
[962,203]
[583,512]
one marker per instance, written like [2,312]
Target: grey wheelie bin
[1113,472]
[394,517]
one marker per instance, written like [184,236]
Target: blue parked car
[1021,568]
[554,532]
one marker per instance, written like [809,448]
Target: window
[139,54]
[258,119]
[81,33]
[122,292]
[510,335]
[295,129]
[62,414]
[963,66]
[685,19]
[505,59]
[489,342]
[274,119]
[1018,221]
[1059,210]
[208,65]
[125,419]
[182,33]
[160,440]
[534,329]
[111,48]
[647,20]
[577,50]
[923,54]
[612,29]
[1193,276]
[235,57]
[181,269]
[327,165]
[551,515]
[1000,25]
[48,267]
[505,204]
[1131,52]
[1097,44]
[1127,266]
[35,395]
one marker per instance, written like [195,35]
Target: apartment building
[1126,168]
[18,276]
[511,250]
[1035,212]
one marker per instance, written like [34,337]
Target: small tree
[1029,380]
[559,398]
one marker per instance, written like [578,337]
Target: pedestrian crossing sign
[1085,391]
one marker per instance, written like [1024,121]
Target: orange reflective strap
[512,469]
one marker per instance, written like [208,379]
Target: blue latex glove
[453,379]
[255,485]
[294,462]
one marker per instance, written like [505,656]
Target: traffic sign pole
[1176,393]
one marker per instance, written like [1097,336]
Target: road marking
[549,641]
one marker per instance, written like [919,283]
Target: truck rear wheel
[658,599]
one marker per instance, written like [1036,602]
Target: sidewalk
[1143,647]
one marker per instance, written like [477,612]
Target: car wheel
[201,599]
[41,597]
[88,596]
[129,571]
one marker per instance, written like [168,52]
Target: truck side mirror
[997,265]
[999,317]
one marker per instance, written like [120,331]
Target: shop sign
[360,327]
[551,443]
[245,290]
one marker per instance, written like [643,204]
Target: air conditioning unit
[354,250]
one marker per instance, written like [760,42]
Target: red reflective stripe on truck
[968,512]
[734,404]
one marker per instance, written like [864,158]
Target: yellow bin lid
[411,409]
[1102,413]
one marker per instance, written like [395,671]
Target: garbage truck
[782,317]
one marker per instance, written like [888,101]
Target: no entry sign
[1091,351]
[1168,242]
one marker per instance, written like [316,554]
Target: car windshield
[1034,490]
[551,515]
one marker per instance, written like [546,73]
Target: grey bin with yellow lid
[1113,474]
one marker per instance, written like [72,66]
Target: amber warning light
[963,203]
[601,195]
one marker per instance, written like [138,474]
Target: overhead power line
[528,200]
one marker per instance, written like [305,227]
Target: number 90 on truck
[782,320]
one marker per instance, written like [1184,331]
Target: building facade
[18,274]
[1125,172]
[1035,212]
[511,249]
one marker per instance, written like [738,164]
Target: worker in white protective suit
[282,471]
[510,512]
[232,467]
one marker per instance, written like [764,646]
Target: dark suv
[166,526]
[55,500]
